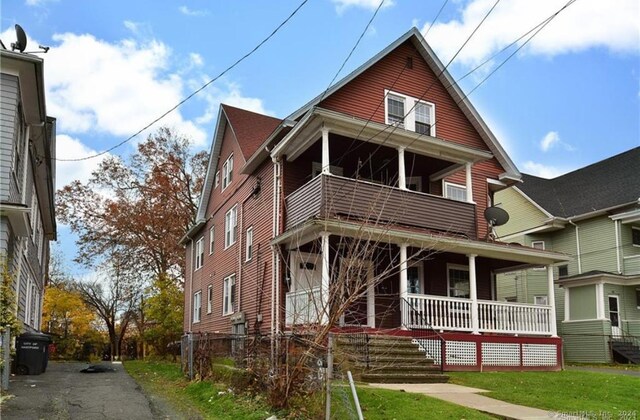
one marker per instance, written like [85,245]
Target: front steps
[388,359]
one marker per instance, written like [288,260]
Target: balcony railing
[330,196]
[454,314]
[303,307]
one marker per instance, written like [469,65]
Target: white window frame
[217,180]
[197,307]
[199,253]
[249,244]
[231,226]
[534,243]
[446,184]
[541,300]
[212,239]
[228,298]
[459,268]
[209,299]
[27,305]
[227,172]
[420,267]
[409,109]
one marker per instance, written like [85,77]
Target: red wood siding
[252,277]
[363,96]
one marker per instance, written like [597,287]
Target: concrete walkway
[468,397]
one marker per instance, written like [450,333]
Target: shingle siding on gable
[363,96]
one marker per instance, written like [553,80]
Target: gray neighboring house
[593,214]
[27,181]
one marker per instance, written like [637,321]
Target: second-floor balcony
[336,197]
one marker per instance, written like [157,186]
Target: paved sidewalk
[468,397]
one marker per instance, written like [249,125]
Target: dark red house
[395,157]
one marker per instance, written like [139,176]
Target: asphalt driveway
[62,392]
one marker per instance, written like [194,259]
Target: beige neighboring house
[593,214]
[27,181]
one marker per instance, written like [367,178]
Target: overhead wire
[201,88]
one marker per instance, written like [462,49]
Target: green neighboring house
[592,214]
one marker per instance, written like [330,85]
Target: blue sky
[569,98]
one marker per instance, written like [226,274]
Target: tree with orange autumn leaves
[132,214]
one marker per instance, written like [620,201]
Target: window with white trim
[635,236]
[410,113]
[197,306]
[229,295]
[27,306]
[209,299]
[212,239]
[249,244]
[538,245]
[217,179]
[199,253]
[455,191]
[227,172]
[415,278]
[458,279]
[230,226]
[540,300]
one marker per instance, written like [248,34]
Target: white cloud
[583,25]
[189,12]
[544,171]
[549,140]
[342,5]
[68,147]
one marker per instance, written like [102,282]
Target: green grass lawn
[566,391]
[202,399]
[194,398]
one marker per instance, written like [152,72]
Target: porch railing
[439,312]
[454,314]
[514,318]
[303,307]
[424,336]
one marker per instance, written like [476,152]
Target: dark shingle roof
[608,183]
[250,128]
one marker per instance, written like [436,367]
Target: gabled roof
[250,128]
[414,35]
[610,183]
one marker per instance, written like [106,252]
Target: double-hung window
[455,191]
[249,247]
[212,239]
[209,299]
[415,280]
[459,281]
[230,226]
[410,113]
[199,251]
[197,306]
[635,236]
[227,172]
[229,295]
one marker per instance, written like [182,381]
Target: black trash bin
[32,353]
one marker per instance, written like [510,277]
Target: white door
[614,316]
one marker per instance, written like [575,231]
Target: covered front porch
[407,284]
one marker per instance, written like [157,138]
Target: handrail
[427,327]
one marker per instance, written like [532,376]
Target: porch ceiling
[307,132]
[425,240]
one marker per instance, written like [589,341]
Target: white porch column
[600,301]
[473,294]
[469,183]
[402,176]
[567,304]
[403,284]
[326,276]
[551,300]
[325,151]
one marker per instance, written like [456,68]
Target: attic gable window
[410,113]
[227,172]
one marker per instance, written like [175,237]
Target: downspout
[577,246]
[273,258]
[189,297]
[278,229]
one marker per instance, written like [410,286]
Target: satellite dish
[21,40]
[496,216]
